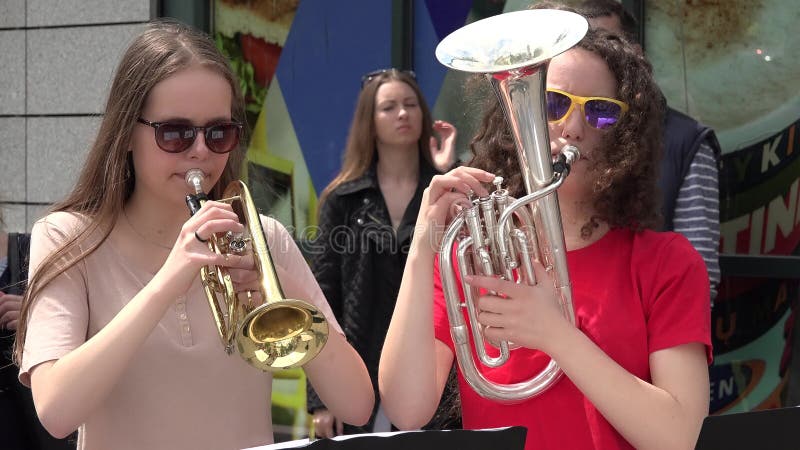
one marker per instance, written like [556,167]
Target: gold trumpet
[278,334]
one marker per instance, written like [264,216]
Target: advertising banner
[753,317]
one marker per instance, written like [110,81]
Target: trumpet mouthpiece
[194,178]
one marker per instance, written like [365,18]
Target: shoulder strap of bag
[18,248]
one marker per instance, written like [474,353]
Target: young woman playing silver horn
[116,338]
[635,359]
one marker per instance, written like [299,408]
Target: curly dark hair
[626,165]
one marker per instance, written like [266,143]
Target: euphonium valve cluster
[497,235]
[278,333]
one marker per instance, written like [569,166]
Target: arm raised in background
[443,150]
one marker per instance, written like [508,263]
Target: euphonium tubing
[279,334]
[513,51]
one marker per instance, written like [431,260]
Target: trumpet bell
[282,335]
[279,334]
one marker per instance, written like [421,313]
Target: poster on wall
[252,35]
[753,318]
[301,63]
[723,64]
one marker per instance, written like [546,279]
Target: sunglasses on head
[599,112]
[177,137]
[369,76]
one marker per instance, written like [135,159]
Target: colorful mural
[721,63]
[300,65]
[753,318]
[301,62]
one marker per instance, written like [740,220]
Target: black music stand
[764,430]
[512,438]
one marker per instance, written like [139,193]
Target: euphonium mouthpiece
[563,163]
[571,153]
[194,178]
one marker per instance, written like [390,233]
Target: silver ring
[197,236]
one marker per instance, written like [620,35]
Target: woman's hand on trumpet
[529,316]
[191,251]
[246,279]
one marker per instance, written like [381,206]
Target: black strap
[195,202]
[18,256]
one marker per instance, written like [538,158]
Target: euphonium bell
[497,235]
[278,334]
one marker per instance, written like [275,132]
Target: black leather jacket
[20,428]
[358,261]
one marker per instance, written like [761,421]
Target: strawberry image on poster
[262,55]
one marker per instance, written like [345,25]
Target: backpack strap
[18,257]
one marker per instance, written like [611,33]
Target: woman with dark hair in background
[367,216]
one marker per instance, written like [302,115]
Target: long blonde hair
[360,149]
[107,179]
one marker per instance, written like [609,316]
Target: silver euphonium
[499,236]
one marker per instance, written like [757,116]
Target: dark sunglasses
[599,112]
[177,137]
[369,76]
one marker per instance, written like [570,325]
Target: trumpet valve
[236,242]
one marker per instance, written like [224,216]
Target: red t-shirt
[633,294]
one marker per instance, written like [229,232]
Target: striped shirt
[697,211]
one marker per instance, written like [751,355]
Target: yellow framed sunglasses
[601,113]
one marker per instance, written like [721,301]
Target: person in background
[689,175]
[367,214]
[21,429]
[115,334]
[636,359]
